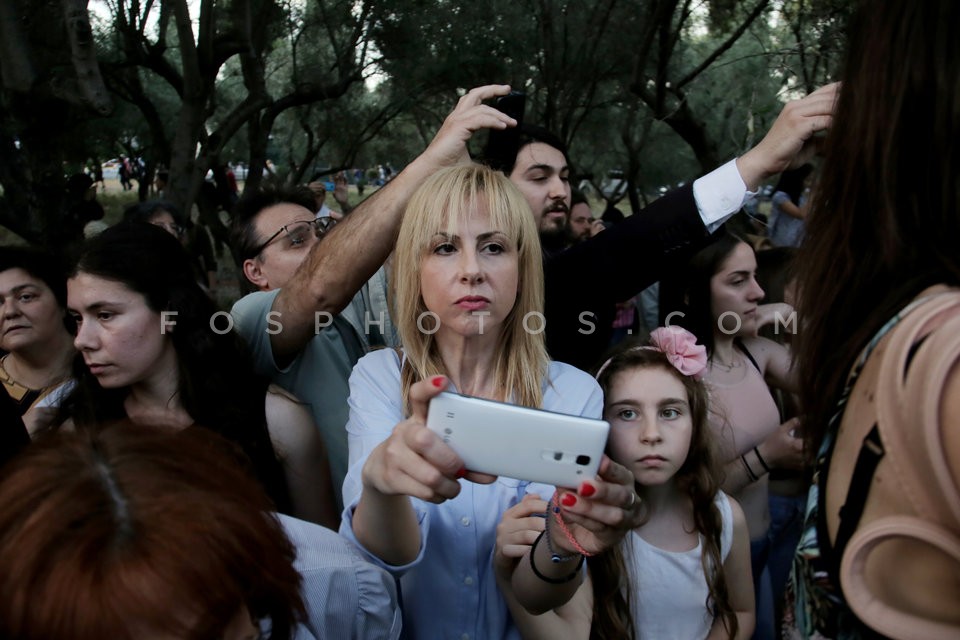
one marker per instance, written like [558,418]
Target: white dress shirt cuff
[720,194]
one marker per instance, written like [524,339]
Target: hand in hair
[449,146]
[790,142]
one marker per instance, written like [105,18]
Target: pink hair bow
[681,348]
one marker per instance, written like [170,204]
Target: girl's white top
[669,595]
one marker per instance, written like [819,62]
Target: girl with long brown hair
[684,572]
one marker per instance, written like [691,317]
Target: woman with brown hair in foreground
[880,337]
[146,533]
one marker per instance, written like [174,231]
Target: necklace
[16,390]
[723,366]
[18,387]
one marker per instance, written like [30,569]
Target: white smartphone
[519,442]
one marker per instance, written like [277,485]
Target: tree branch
[16,62]
[659,11]
[757,10]
[84,56]
[192,80]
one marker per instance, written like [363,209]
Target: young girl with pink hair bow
[683,573]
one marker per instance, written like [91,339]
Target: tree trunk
[80,35]
[694,133]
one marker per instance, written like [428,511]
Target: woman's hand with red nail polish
[415,461]
[602,509]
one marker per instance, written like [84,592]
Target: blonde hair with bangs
[440,205]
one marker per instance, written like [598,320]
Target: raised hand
[784,447]
[767,314]
[791,140]
[449,146]
[340,193]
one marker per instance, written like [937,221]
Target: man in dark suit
[585,281]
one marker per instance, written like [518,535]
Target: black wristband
[536,572]
[763,462]
[746,465]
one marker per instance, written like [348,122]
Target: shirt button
[465,521]
[468,581]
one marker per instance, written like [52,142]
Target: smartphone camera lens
[583,460]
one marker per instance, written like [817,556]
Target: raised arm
[665,235]
[336,268]
[775,359]
[791,141]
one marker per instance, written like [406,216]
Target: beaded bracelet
[554,506]
[536,572]
[555,556]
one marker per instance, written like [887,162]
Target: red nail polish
[568,500]
[462,473]
[587,490]
[437,381]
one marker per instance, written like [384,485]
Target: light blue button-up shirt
[449,591]
[346,597]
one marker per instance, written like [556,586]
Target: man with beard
[580,222]
[545,184]
[585,281]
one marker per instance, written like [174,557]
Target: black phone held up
[513,104]
[502,144]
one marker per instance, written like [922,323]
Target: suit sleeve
[584,282]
